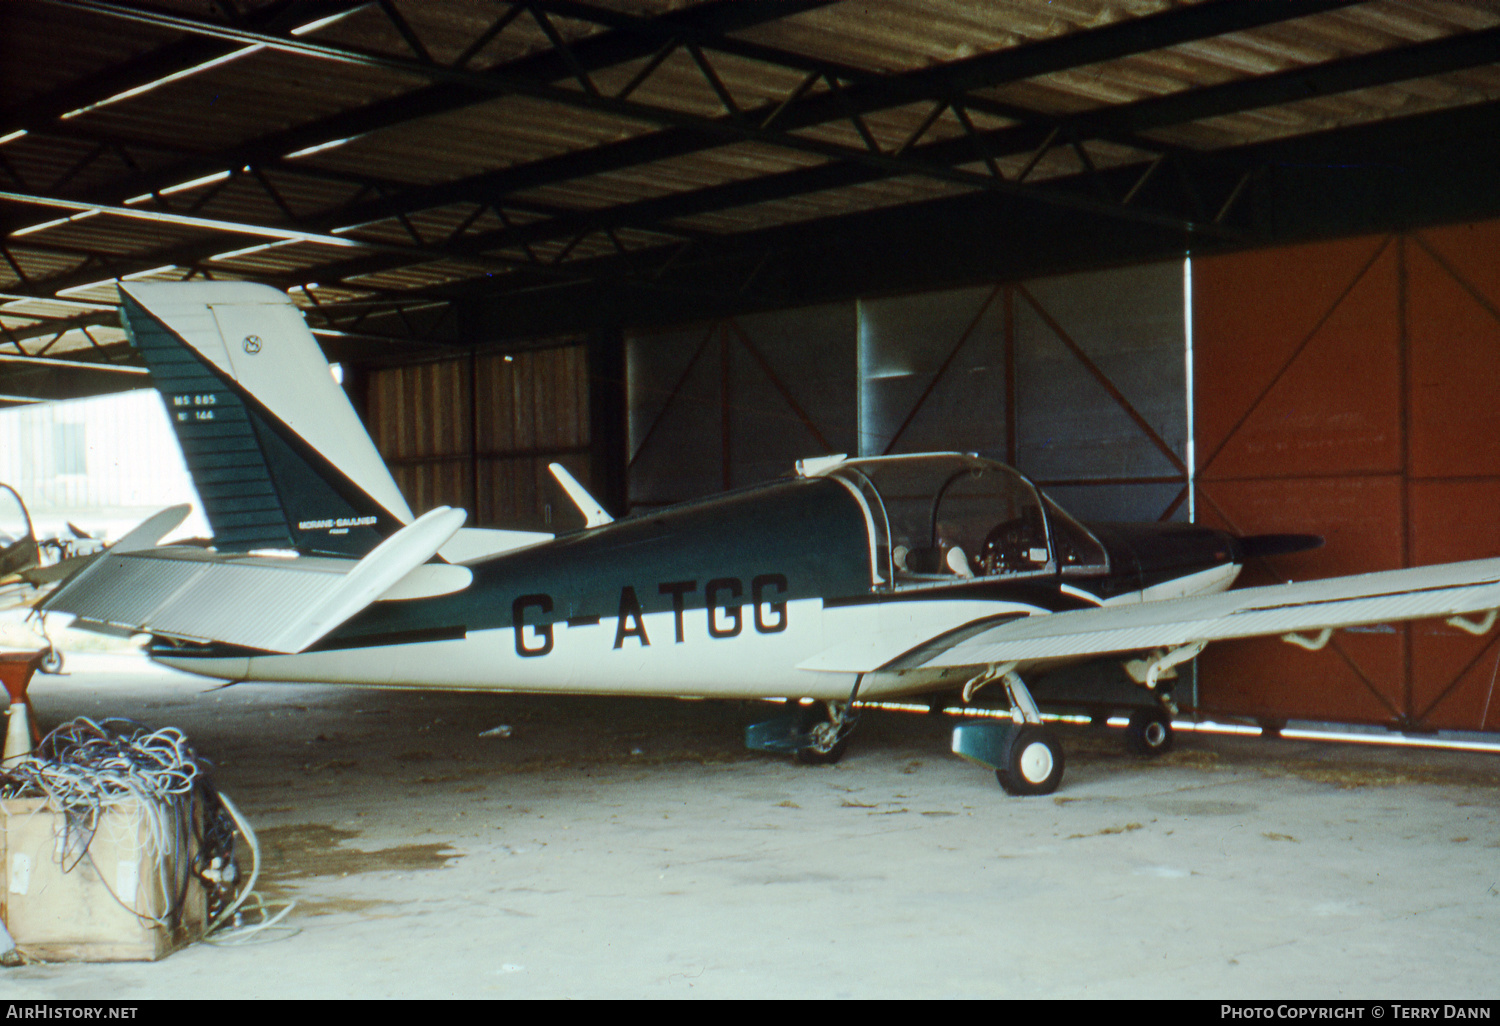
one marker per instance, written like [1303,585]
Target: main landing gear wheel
[1035,763]
[1149,733]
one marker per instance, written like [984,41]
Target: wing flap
[1390,596]
[897,649]
[261,602]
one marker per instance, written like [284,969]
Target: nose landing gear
[814,735]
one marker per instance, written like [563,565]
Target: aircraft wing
[1417,593]
[264,602]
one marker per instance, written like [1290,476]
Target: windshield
[17,545]
[955,515]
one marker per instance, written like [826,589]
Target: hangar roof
[421,175]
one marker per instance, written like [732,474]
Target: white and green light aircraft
[851,580]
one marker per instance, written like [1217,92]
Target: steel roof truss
[174,58]
[841,93]
[563,49]
[597,52]
[911,158]
[1136,33]
[487,36]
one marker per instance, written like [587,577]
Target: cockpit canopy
[18,548]
[951,515]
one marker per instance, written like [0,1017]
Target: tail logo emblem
[252,344]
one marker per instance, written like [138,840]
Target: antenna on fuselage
[817,466]
[593,513]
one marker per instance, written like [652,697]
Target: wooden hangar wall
[478,432]
[1078,380]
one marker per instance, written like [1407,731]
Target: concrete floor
[613,848]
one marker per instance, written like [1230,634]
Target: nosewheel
[813,735]
[827,733]
[827,747]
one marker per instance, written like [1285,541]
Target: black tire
[52,662]
[829,747]
[820,757]
[1034,764]
[1149,733]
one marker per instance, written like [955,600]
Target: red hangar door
[1352,389]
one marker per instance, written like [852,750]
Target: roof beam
[869,94]
[1422,59]
[1364,179]
[46,379]
[1151,32]
[43,327]
[173,59]
[453,88]
[1130,36]
[1416,61]
[694,133]
[857,166]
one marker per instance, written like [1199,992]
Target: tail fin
[278,455]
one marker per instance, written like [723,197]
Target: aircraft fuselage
[782,589]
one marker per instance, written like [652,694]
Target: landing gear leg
[1025,754]
[1150,731]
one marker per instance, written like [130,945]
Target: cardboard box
[65,896]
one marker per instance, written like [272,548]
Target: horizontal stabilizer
[270,603]
[428,581]
[475,543]
[144,535]
[149,532]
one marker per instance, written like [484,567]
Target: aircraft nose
[1258,546]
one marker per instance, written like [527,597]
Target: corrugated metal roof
[450,144]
